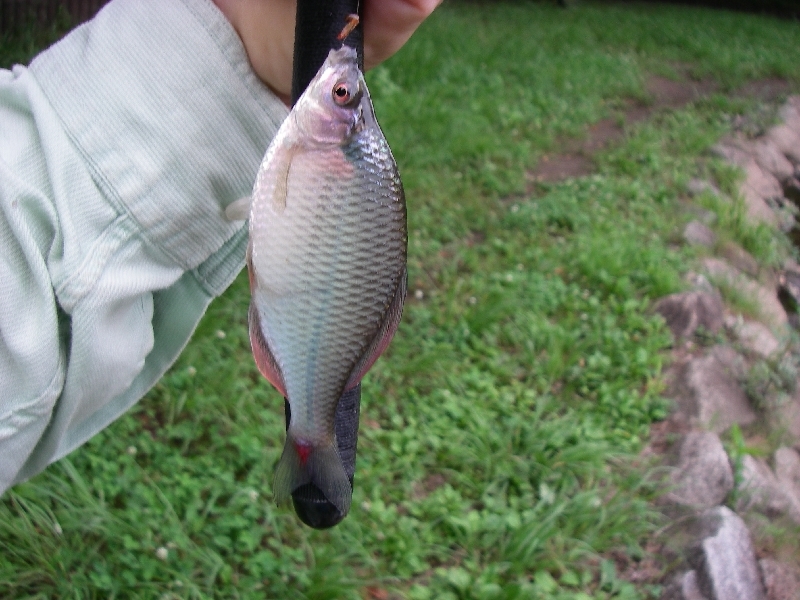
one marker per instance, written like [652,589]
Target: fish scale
[327,260]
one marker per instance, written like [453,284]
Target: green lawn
[499,431]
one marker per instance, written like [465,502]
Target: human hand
[266,28]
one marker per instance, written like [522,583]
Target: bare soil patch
[575,157]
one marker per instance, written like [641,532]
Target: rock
[732,361]
[758,189]
[787,140]
[725,560]
[732,322]
[684,587]
[769,157]
[782,582]
[791,265]
[791,189]
[757,338]
[699,282]
[757,207]
[761,180]
[696,187]
[703,477]
[687,311]
[787,470]
[709,392]
[740,259]
[763,492]
[760,186]
[719,269]
[697,234]
[789,113]
[789,290]
[705,216]
[764,298]
[734,150]
[788,417]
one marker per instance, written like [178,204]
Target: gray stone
[766,299]
[687,311]
[683,587]
[719,269]
[789,286]
[757,337]
[699,282]
[787,140]
[790,113]
[690,588]
[788,417]
[705,216]
[770,307]
[709,392]
[758,209]
[758,188]
[731,360]
[734,150]
[782,581]
[732,322]
[697,234]
[787,470]
[741,259]
[703,477]
[771,159]
[725,560]
[762,492]
[696,187]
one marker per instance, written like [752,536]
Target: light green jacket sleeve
[120,147]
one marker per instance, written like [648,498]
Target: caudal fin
[303,463]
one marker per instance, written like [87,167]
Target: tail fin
[303,463]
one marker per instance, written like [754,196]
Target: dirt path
[575,157]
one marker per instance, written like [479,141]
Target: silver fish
[327,265]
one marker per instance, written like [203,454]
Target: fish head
[332,108]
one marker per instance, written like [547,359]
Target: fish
[326,260]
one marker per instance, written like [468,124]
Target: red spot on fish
[303,450]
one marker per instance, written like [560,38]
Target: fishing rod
[319,28]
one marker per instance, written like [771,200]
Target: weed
[741,300]
[767,379]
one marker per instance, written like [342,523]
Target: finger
[389,24]
[266,28]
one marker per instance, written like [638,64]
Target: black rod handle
[319,23]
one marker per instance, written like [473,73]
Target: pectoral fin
[280,172]
[238,210]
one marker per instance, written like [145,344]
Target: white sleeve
[120,147]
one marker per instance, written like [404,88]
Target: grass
[22,41]
[499,432]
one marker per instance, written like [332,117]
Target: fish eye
[341,93]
